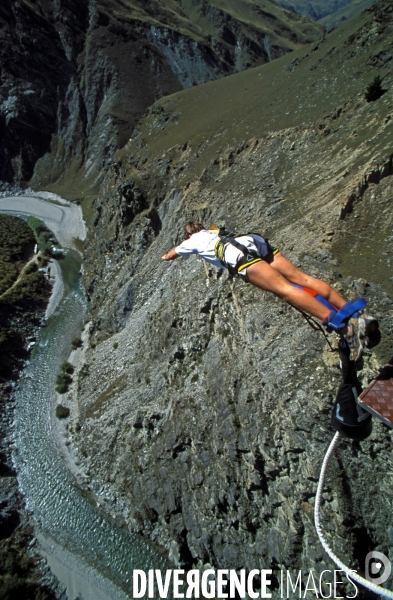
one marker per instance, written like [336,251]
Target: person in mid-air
[256,261]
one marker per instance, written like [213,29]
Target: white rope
[348,572]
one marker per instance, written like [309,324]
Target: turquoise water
[59,509]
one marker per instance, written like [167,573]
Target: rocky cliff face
[77,76]
[203,403]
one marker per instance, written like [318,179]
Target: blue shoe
[337,319]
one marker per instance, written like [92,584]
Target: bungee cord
[348,572]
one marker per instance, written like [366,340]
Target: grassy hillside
[202,21]
[295,90]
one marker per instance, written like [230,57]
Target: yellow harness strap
[247,264]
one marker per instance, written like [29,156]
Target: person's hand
[171,255]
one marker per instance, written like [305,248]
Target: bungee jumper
[256,261]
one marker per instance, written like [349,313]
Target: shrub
[62,412]
[115,345]
[36,225]
[8,274]
[62,386]
[43,236]
[374,90]
[76,343]
[64,378]
[31,268]
[44,245]
[67,367]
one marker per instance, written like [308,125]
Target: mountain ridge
[72,93]
[344,13]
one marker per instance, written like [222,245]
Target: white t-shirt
[203,243]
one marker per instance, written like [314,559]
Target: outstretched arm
[171,255]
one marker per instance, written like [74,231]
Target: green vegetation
[31,287]
[265,28]
[31,268]
[23,288]
[64,378]
[16,243]
[43,236]
[115,345]
[15,238]
[62,412]
[76,343]
[374,90]
[265,17]
[42,261]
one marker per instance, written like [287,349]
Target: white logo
[374,563]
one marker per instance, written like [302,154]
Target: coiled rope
[348,572]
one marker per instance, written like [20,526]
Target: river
[90,555]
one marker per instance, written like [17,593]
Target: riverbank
[55,277]
[77,575]
[102,494]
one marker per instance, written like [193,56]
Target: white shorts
[252,241]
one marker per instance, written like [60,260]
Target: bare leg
[277,277]
[295,275]
[265,277]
